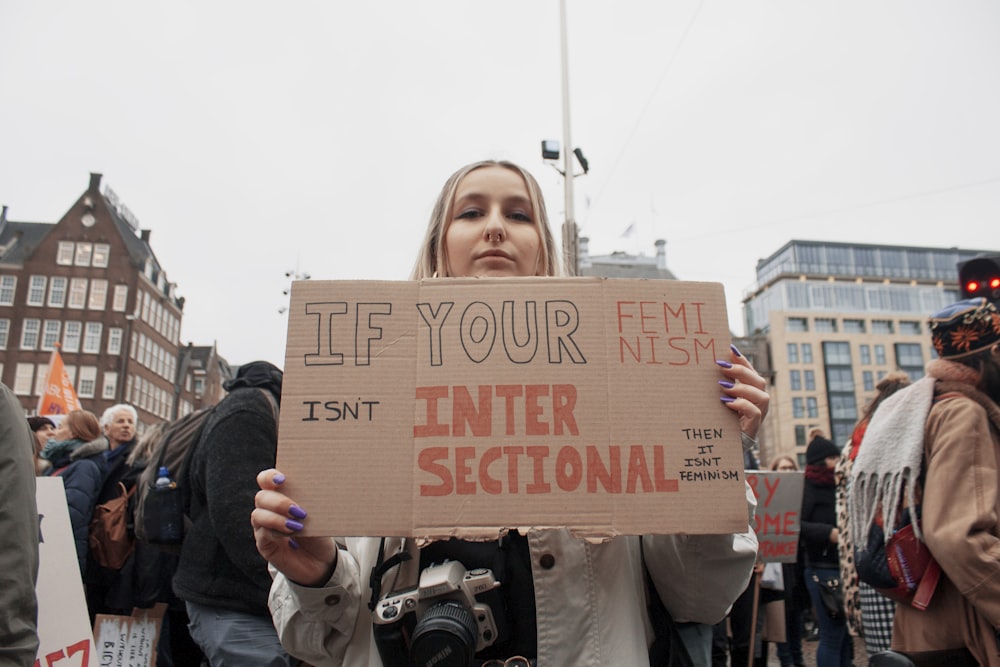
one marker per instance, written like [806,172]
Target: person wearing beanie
[946,425]
[819,538]
[42,428]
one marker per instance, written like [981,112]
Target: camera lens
[445,636]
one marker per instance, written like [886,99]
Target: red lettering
[432,427]
[771,485]
[532,410]
[538,455]
[637,470]
[610,479]
[427,461]
[509,392]
[464,411]
[563,403]
[569,469]
[463,469]
[512,454]
[489,484]
[663,485]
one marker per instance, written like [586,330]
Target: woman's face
[43,434]
[63,431]
[492,229]
[785,465]
[121,429]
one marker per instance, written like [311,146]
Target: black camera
[451,614]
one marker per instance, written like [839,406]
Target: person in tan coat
[960,521]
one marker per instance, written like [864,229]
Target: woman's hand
[309,561]
[744,391]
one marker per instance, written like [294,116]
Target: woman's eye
[520,216]
[469,214]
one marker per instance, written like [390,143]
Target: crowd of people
[248,587]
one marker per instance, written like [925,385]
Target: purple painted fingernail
[278,478]
[726,399]
[727,384]
[723,363]
[293,544]
[297,512]
[735,350]
[292,524]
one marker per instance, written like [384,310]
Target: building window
[797,324]
[4,333]
[840,379]
[120,298]
[84,251]
[65,254]
[115,340]
[868,380]
[826,325]
[71,373]
[29,333]
[854,326]
[88,381]
[880,355]
[199,386]
[77,292]
[800,435]
[41,378]
[57,292]
[798,408]
[882,326]
[71,336]
[101,252]
[909,328]
[98,294]
[812,407]
[793,353]
[840,389]
[810,377]
[50,335]
[110,389]
[22,380]
[865,353]
[7,286]
[795,378]
[36,291]
[807,353]
[910,358]
[837,354]
[92,338]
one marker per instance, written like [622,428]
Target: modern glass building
[837,317]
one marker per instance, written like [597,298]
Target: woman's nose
[495,229]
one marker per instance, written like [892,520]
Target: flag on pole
[59,397]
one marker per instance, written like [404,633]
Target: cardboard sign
[779,508]
[64,637]
[465,406]
[129,641]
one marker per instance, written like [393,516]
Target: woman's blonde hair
[776,462]
[432,260]
[143,450]
[83,425]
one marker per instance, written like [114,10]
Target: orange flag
[59,396]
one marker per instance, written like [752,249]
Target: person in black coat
[221,576]
[819,536]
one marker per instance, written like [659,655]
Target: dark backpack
[160,514]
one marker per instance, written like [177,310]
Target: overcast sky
[255,138]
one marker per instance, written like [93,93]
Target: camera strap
[381,567]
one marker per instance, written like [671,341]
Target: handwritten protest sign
[464,406]
[779,507]
[64,637]
[129,640]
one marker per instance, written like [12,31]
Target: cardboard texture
[129,640]
[779,510]
[461,407]
[63,623]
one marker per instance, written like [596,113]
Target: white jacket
[590,604]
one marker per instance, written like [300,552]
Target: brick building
[91,285]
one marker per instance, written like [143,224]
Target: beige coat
[961,526]
[590,605]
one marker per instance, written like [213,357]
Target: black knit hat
[819,449]
[38,422]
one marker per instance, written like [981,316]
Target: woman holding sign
[561,600]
